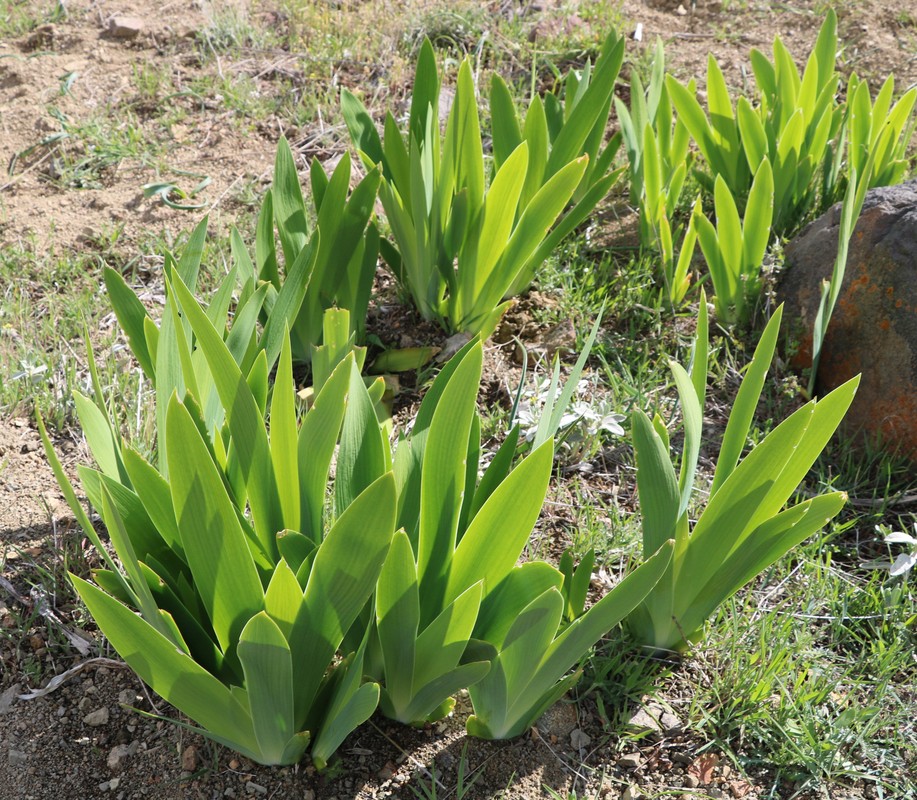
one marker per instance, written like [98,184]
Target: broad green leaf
[351,705]
[498,533]
[284,438]
[466,132]
[569,142]
[693,414]
[317,439]
[268,668]
[214,542]
[363,132]
[535,135]
[765,545]
[289,299]
[694,119]
[343,577]
[441,644]
[153,491]
[496,471]
[397,620]
[99,436]
[245,422]
[728,227]
[656,484]
[504,122]
[124,547]
[513,670]
[498,214]
[425,95]
[283,598]
[754,137]
[145,539]
[443,481]
[652,168]
[565,225]
[759,212]
[743,409]
[131,314]
[363,454]
[539,215]
[520,587]
[289,208]
[265,248]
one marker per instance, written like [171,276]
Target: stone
[125,27]
[119,754]
[17,758]
[630,761]
[670,723]
[643,723]
[9,697]
[97,718]
[579,739]
[873,330]
[631,793]
[255,788]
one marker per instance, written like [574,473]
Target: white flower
[905,561]
[582,425]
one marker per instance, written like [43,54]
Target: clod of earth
[125,27]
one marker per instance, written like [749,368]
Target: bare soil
[82,739]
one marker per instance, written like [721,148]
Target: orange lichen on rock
[872,330]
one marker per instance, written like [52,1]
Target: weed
[18,17]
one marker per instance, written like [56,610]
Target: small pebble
[255,788]
[119,754]
[97,718]
[189,759]
[579,739]
[630,761]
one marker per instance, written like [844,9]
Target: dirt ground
[80,740]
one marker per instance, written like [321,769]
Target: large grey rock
[873,330]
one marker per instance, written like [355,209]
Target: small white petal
[903,563]
[900,538]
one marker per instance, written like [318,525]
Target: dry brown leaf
[702,767]
[740,788]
